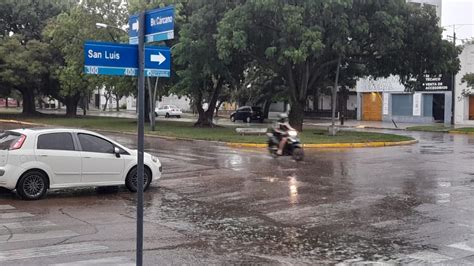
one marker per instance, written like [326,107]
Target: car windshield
[7,138]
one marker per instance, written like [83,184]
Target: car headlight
[292,133]
[154,159]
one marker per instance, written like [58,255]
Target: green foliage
[27,18]
[301,41]
[468,78]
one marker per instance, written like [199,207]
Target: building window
[402,104]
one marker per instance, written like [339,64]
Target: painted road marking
[14,215]
[429,257]
[26,224]
[37,236]
[49,251]
[469,246]
[119,261]
[6,207]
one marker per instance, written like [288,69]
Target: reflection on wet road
[216,205]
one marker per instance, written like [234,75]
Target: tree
[24,67]
[22,22]
[67,34]
[204,75]
[303,40]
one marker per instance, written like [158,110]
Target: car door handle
[43,155]
[86,157]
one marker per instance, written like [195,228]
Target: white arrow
[157,58]
[135,26]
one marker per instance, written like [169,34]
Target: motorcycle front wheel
[272,149]
[298,154]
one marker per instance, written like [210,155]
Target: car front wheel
[248,119]
[32,186]
[131,182]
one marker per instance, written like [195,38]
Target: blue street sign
[159,25]
[102,58]
[157,61]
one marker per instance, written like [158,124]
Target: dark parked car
[248,114]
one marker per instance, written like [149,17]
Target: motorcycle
[293,146]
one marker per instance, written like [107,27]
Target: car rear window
[7,139]
[257,109]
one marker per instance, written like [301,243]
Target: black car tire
[167,115]
[33,185]
[131,180]
[178,116]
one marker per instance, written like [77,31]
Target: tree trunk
[118,104]
[266,108]
[6,102]
[71,103]
[84,106]
[106,102]
[28,102]
[297,114]
[71,109]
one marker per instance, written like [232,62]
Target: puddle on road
[230,227]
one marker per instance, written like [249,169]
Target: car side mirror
[117,152]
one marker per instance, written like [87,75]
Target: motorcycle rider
[281,129]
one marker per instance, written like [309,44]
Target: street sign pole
[141,125]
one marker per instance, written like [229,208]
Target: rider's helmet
[282,118]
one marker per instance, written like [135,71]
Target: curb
[252,145]
[460,132]
[333,145]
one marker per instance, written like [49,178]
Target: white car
[35,160]
[168,111]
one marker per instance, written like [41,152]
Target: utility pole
[453,80]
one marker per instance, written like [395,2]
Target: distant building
[385,99]
[464,113]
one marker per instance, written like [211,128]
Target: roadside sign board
[157,61]
[102,58]
[159,25]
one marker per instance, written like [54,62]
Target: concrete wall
[462,102]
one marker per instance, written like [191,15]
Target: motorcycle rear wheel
[298,154]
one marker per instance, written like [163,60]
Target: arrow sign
[159,25]
[102,58]
[157,58]
[157,61]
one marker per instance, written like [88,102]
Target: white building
[464,107]
[385,99]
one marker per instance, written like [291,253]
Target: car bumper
[176,113]
[10,176]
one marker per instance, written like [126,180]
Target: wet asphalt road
[219,205]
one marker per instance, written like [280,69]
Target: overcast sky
[458,12]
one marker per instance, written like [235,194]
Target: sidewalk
[365,124]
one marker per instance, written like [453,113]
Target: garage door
[471,107]
[372,106]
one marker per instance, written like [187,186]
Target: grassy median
[187,131]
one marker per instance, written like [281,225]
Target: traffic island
[172,130]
